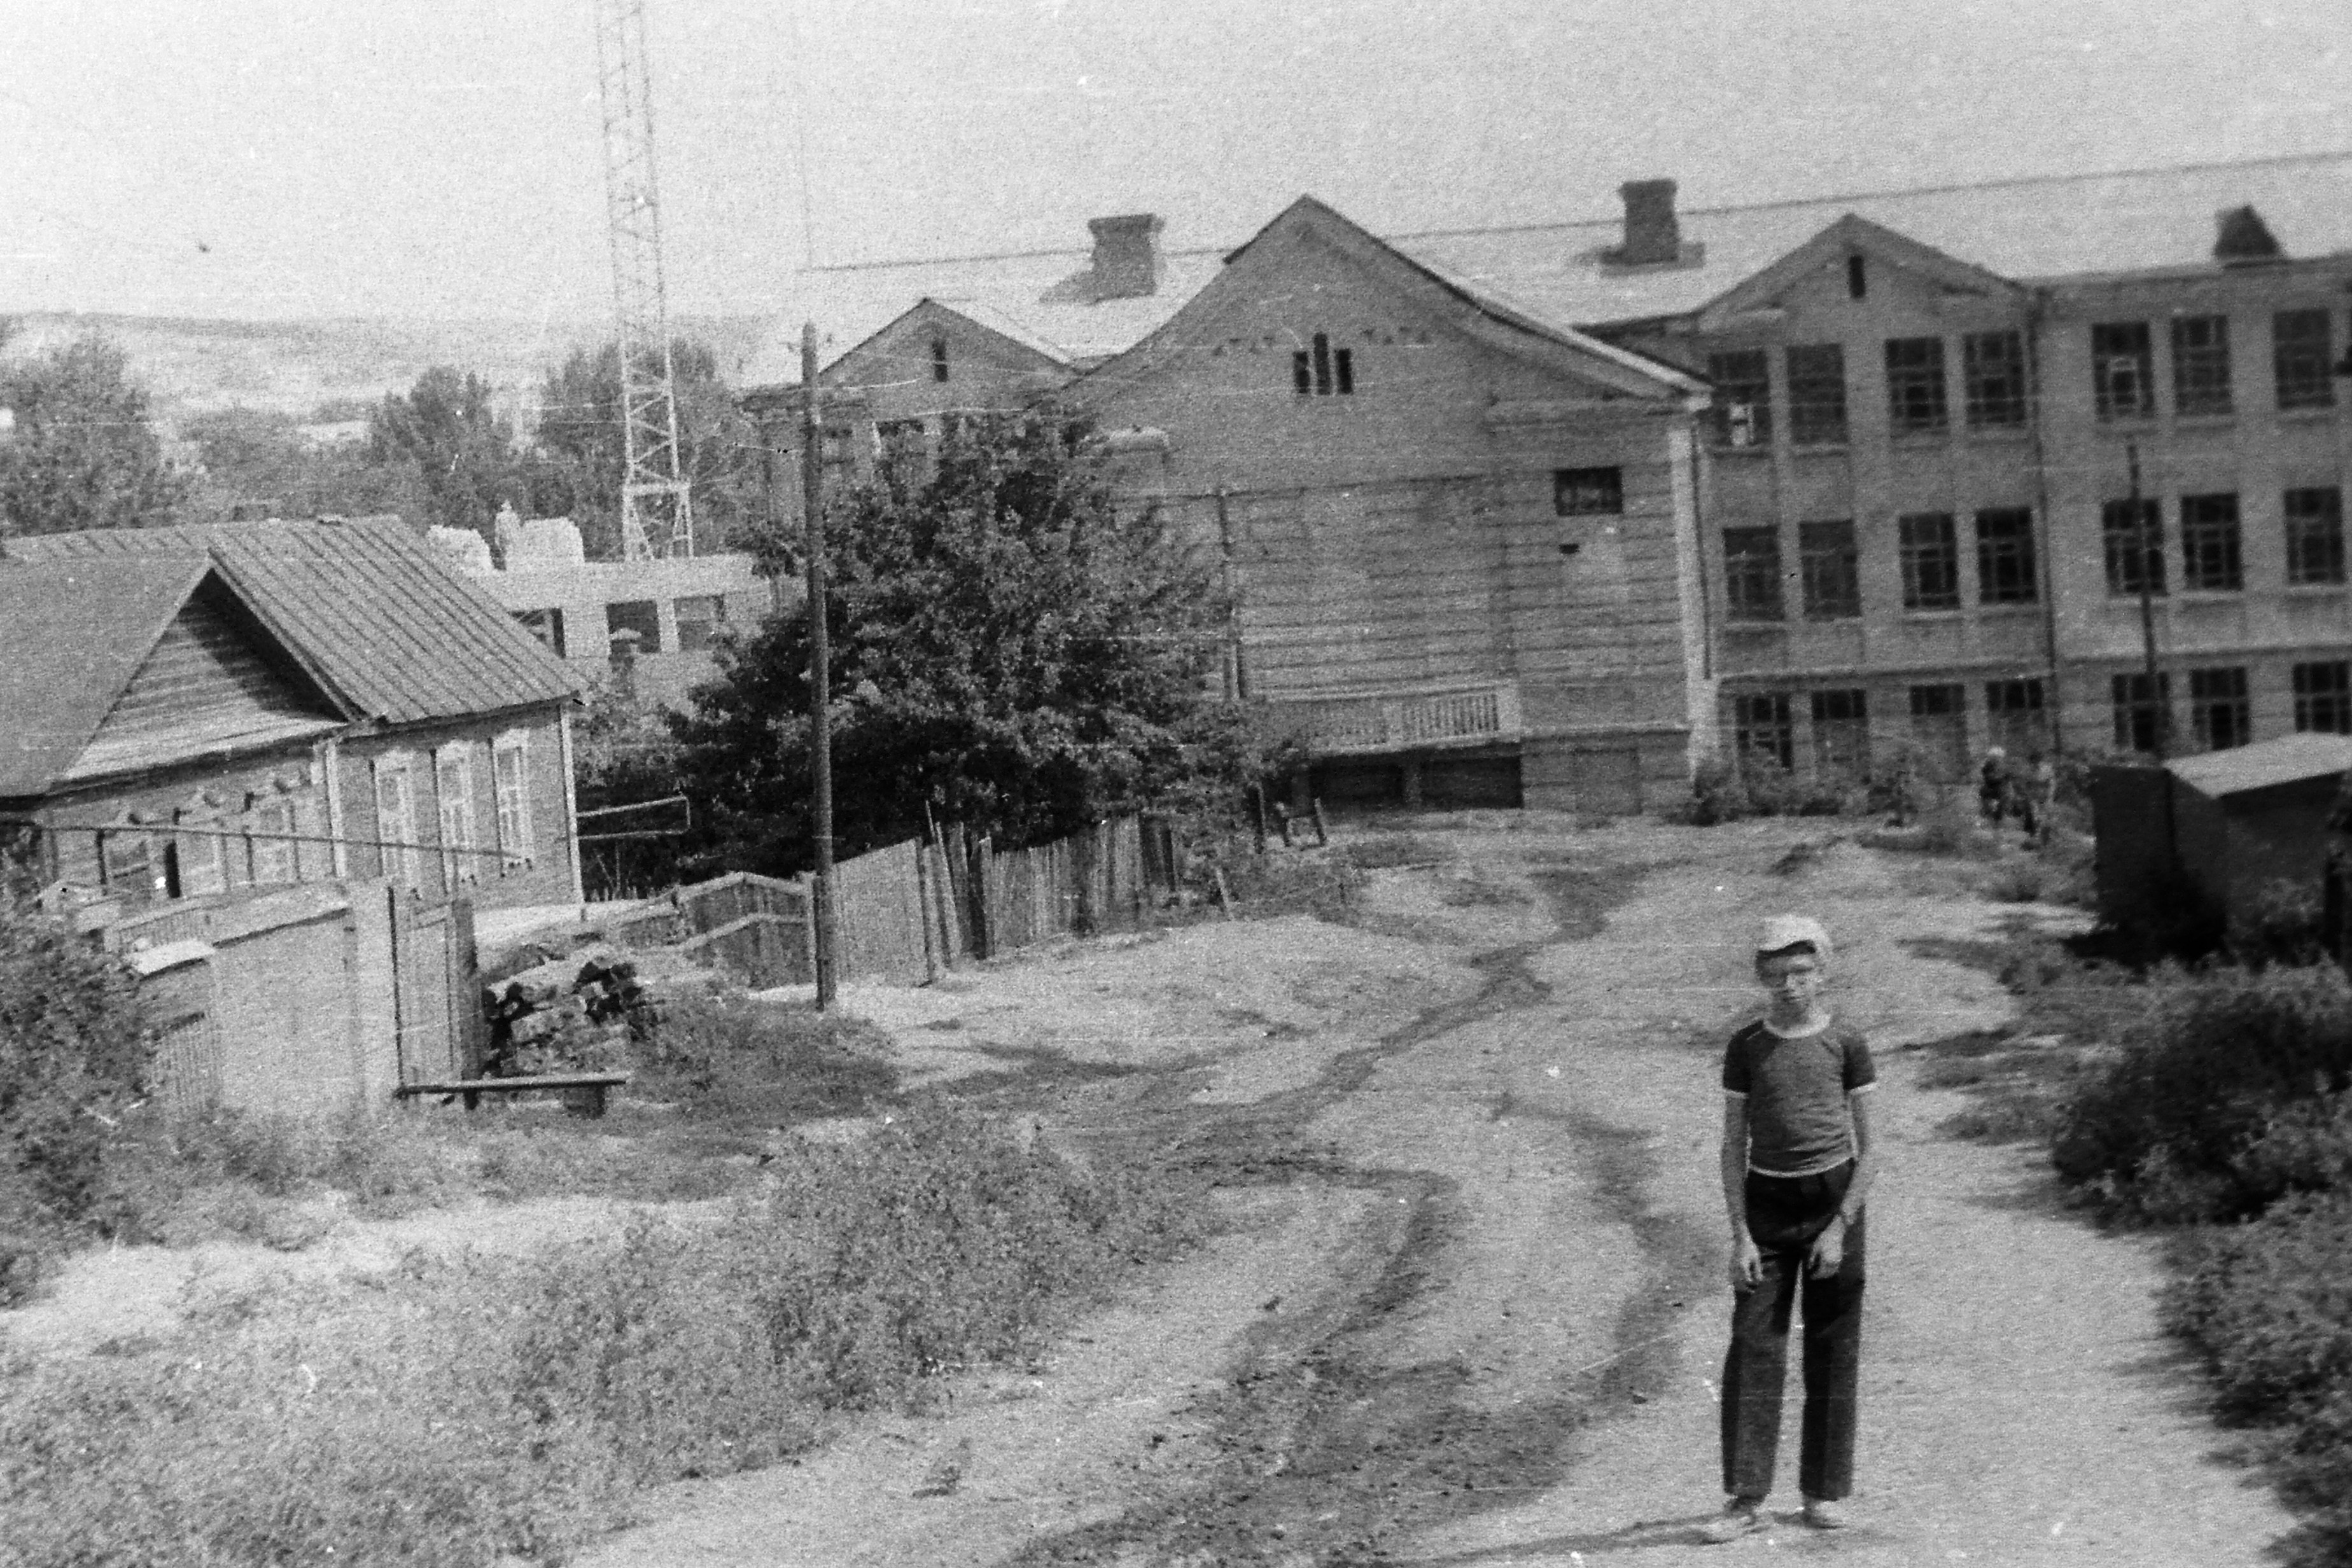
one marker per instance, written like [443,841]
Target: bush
[2171,1125]
[2281,924]
[725,1058]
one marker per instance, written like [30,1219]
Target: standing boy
[1797,1161]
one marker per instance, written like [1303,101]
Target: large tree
[447,430]
[78,451]
[1009,651]
[259,461]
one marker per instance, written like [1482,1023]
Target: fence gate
[437,989]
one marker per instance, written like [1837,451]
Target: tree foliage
[1008,652]
[260,462]
[447,431]
[81,453]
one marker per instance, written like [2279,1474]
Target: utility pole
[2149,562]
[820,660]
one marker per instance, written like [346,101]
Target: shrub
[723,1057]
[1716,795]
[2281,924]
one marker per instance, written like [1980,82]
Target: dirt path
[1472,1303]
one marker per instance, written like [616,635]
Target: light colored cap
[1780,933]
[1995,751]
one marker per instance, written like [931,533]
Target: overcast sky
[441,157]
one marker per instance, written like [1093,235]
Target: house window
[1751,572]
[128,865]
[1743,397]
[2200,364]
[1323,370]
[2123,372]
[1817,395]
[2005,573]
[453,788]
[1994,366]
[1761,730]
[547,626]
[701,618]
[2013,716]
[271,825]
[1829,566]
[2302,358]
[938,359]
[2323,697]
[396,822]
[2218,710]
[901,443]
[1915,386]
[1841,734]
[1940,724]
[2135,546]
[511,794]
[1931,561]
[2314,535]
[2140,711]
[199,854]
[1587,492]
[640,617]
[2208,544]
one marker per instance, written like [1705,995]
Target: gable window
[1817,395]
[2303,359]
[2217,709]
[2005,573]
[510,795]
[2323,697]
[2142,711]
[1857,278]
[1322,369]
[2135,546]
[1915,386]
[1930,554]
[1761,730]
[1743,397]
[641,617]
[1840,733]
[396,822]
[2200,364]
[1751,574]
[938,359]
[2314,535]
[1585,492]
[2013,715]
[2208,544]
[1829,569]
[453,789]
[2123,371]
[701,618]
[1994,366]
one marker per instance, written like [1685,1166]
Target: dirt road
[1469,1303]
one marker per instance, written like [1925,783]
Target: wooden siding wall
[204,681]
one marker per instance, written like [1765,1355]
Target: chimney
[2240,235]
[1651,236]
[1127,255]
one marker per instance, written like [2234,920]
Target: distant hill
[294,367]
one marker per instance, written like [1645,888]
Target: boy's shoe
[1740,1516]
[1824,1514]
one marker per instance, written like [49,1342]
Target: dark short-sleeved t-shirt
[1796,1088]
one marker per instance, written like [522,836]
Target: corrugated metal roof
[386,629]
[2030,230]
[2290,759]
[72,634]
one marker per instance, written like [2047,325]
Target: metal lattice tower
[655,500]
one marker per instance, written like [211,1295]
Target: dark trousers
[1785,1213]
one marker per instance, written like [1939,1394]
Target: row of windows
[1829,566]
[2221,711]
[2210,558]
[400,853]
[699,617]
[1993,385]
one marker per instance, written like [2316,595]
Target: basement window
[1322,369]
[1588,493]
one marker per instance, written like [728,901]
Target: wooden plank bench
[584,1092]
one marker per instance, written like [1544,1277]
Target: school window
[2122,370]
[640,621]
[453,789]
[2314,535]
[1751,574]
[2303,359]
[1840,733]
[1830,568]
[2208,544]
[701,618]
[1817,395]
[2005,574]
[510,795]
[1940,724]
[396,822]
[2217,709]
[938,359]
[1761,729]
[2139,709]
[2135,546]
[2013,716]
[2323,697]
[1588,493]
[1321,371]
[2200,364]
[547,626]
[1931,561]
[1915,386]
[1993,365]
[1743,397]
[271,827]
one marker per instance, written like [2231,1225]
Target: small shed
[2220,827]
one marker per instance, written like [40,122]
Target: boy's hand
[1747,1262]
[1828,1251]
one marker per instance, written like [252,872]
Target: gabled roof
[2290,759]
[380,626]
[1851,235]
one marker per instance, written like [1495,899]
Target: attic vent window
[1857,278]
[938,359]
[1322,369]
